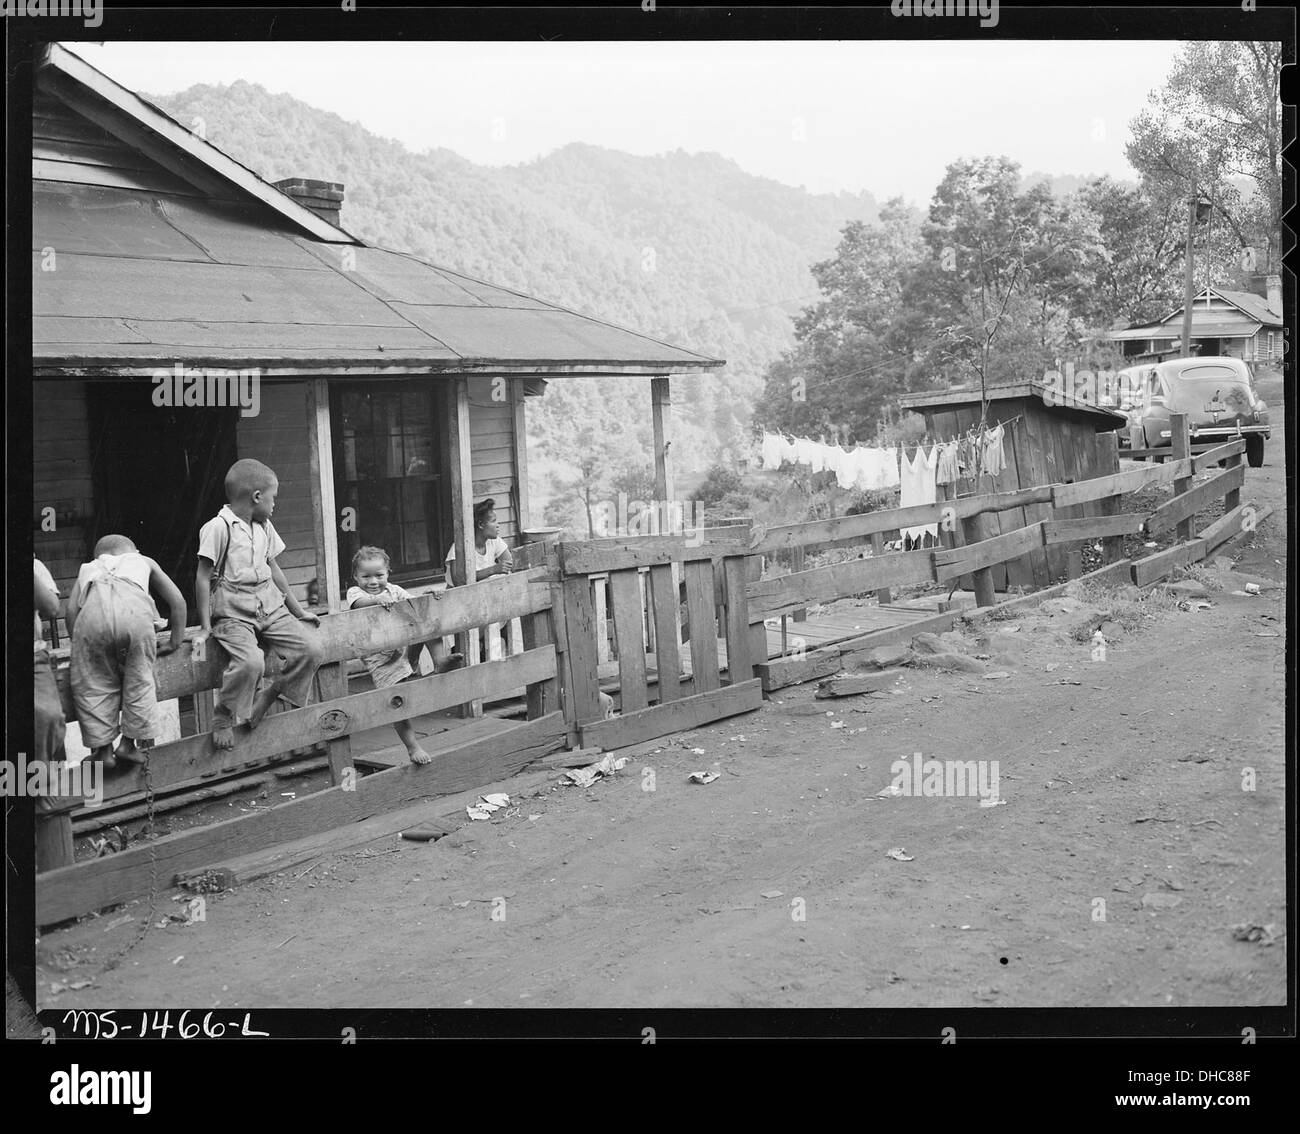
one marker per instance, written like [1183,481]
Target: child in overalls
[244,602]
[110,618]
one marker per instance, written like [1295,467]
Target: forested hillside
[684,247]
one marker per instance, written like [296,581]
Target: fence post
[974,528]
[884,594]
[1232,499]
[1180,442]
[332,683]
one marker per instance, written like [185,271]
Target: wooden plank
[1216,455]
[770,597]
[1065,495]
[542,697]
[1182,453]
[625,596]
[1157,566]
[675,716]
[194,757]
[1180,509]
[81,888]
[600,595]
[580,631]
[325,528]
[948,564]
[1115,573]
[592,556]
[816,533]
[1052,562]
[740,666]
[332,681]
[355,633]
[1229,525]
[668,635]
[1091,527]
[975,532]
[780,672]
[704,628]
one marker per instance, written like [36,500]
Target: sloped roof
[146,279]
[1256,306]
[1101,419]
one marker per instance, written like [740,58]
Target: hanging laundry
[946,470]
[842,464]
[804,451]
[771,451]
[994,459]
[918,487]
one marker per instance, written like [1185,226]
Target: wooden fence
[689,647]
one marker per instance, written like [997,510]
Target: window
[1270,346]
[388,465]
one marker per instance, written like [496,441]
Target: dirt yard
[770,886]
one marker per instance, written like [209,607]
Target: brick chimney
[324,198]
[1274,285]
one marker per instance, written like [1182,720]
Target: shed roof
[1102,420]
[147,279]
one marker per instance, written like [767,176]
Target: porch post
[522,516]
[325,513]
[661,407]
[462,506]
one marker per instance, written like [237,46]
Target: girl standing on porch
[491,558]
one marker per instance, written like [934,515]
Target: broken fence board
[625,592]
[676,716]
[74,890]
[1232,524]
[701,614]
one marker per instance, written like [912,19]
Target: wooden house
[390,394]
[1225,324]
[1048,439]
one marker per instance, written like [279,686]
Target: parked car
[1217,394]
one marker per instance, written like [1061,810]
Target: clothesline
[977,452]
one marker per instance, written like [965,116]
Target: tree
[1218,117]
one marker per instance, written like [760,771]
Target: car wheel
[1254,450]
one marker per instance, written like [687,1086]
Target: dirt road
[770,886]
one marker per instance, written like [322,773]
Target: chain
[153,863]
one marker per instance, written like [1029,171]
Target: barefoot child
[372,588]
[244,602]
[111,621]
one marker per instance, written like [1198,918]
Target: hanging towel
[918,487]
[771,451]
[946,470]
[891,461]
[994,459]
[842,464]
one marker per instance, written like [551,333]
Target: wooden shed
[1048,440]
[390,393]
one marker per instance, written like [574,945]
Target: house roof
[1210,322]
[244,276]
[1101,419]
[1223,329]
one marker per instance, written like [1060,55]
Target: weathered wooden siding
[68,147]
[492,454]
[61,477]
[278,437]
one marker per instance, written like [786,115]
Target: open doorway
[159,473]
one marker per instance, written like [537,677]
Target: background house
[388,385]
[1225,324]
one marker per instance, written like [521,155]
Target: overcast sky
[885,117]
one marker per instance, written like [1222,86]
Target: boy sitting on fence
[110,618]
[244,601]
[372,588]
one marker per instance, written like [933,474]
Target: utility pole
[1187,278]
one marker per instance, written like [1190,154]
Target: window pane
[416,544]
